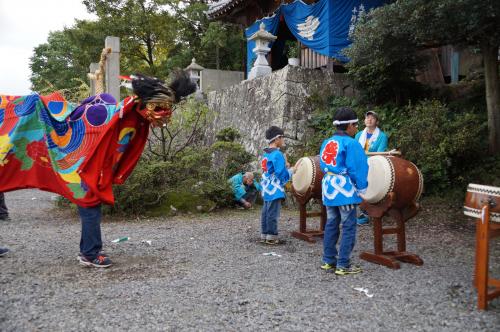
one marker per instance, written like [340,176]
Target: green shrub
[446,143]
[440,142]
[196,180]
[228,135]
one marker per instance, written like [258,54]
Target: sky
[25,24]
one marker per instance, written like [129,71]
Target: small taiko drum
[385,174]
[306,180]
[478,196]
[391,174]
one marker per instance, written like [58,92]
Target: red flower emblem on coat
[329,155]
[263,164]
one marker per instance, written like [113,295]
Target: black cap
[273,132]
[344,114]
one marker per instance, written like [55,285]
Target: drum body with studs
[478,196]
[306,180]
[385,174]
[391,174]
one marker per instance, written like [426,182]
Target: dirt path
[206,272]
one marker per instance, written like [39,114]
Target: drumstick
[387,153]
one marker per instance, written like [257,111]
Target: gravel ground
[207,272]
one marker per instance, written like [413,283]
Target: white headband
[275,137]
[337,122]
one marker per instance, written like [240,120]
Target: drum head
[302,179]
[380,179]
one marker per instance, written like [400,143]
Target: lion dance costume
[79,152]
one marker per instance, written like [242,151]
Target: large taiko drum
[391,174]
[478,196]
[306,180]
[385,174]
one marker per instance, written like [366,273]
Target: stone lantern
[262,38]
[194,71]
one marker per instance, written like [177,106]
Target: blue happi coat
[275,174]
[345,169]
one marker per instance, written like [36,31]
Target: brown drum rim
[482,189]
[420,182]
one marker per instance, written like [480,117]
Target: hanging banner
[323,26]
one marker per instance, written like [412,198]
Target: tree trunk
[490,57]
[217,61]
[163,145]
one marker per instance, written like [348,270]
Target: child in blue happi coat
[276,173]
[345,167]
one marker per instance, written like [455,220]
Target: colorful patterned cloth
[75,151]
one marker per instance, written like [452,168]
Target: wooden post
[92,69]
[455,66]
[113,67]
[482,256]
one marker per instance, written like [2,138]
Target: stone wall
[213,79]
[280,99]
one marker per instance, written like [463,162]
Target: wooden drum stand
[403,185]
[377,212]
[483,203]
[306,184]
[308,234]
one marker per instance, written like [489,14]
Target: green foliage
[322,119]
[62,63]
[230,157]
[185,129]
[222,46]
[439,142]
[292,49]
[447,143]
[227,135]
[196,180]
[384,57]
[385,54]
[156,36]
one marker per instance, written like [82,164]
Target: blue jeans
[4,212]
[90,242]
[269,219]
[335,216]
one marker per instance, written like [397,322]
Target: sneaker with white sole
[99,261]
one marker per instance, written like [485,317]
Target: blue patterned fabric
[275,174]
[345,167]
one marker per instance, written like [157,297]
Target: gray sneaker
[3,251]
[100,261]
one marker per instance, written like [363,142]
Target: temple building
[321,30]
[317,29]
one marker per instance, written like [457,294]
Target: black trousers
[4,212]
